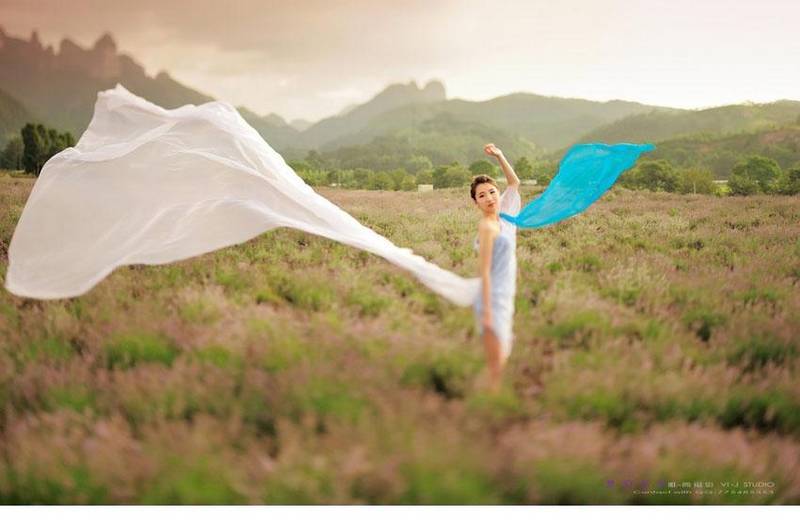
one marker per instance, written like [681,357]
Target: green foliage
[758,351]
[12,155]
[577,329]
[327,398]
[380,181]
[444,483]
[128,350]
[52,347]
[763,170]
[217,355]
[703,321]
[483,167]
[368,302]
[523,168]
[656,174]
[447,374]
[77,398]
[572,482]
[303,292]
[67,485]
[190,481]
[767,410]
[338,379]
[743,185]
[41,143]
[696,180]
[453,175]
[789,183]
[543,171]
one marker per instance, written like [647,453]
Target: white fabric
[147,185]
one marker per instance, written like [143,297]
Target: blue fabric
[585,172]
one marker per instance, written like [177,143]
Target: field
[657,344]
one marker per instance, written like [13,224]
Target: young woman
[497,264]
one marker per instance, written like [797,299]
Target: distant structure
[424,188]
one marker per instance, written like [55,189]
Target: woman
[497,263]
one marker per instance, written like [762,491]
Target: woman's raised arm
[511,176]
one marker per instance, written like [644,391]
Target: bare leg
[494,358]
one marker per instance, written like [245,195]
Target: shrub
[131,349]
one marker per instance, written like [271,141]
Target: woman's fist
[493,150]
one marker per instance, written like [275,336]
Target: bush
[789,184]
[761,169]
[743,185]
[696,180]
[129,350]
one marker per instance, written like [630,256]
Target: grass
[656,340]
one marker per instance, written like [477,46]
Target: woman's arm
[486,236]
[511,176]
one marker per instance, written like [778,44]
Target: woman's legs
[494,358]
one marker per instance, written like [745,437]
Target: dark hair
[478,180]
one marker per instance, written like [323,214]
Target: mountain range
[59,88]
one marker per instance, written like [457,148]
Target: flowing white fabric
[148,185]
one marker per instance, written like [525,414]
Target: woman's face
[487,198]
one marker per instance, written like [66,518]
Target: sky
[308,59]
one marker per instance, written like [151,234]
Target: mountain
[659,125]
[546,122]
[324,134]
[61,87]
[300,124]
[720,152]
[13,116]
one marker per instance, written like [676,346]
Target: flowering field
[656,362]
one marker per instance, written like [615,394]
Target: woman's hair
[478,180]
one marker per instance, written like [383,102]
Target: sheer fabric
[585,172]
[148,185]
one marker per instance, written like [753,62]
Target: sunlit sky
[309,59]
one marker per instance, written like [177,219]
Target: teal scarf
[584,173]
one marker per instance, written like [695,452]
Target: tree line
[33,147]
[754,174]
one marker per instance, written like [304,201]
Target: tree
[40,143]
[34,139]
[315,160]
[425,177]
[408,182]
[333,177]
[483,167]
[789,183]
[543,171]
[453,175]
[361,177]
[658,174]
[696,180]
[380,181]
[523,168]
[743,185]
[11,158]
[763,170]
[418,163]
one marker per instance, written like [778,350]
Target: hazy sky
[308,59]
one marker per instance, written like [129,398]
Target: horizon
[659,66]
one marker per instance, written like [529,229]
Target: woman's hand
[492,150]
[486,320]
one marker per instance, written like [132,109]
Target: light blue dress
[503,275]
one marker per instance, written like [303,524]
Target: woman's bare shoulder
[488,227]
